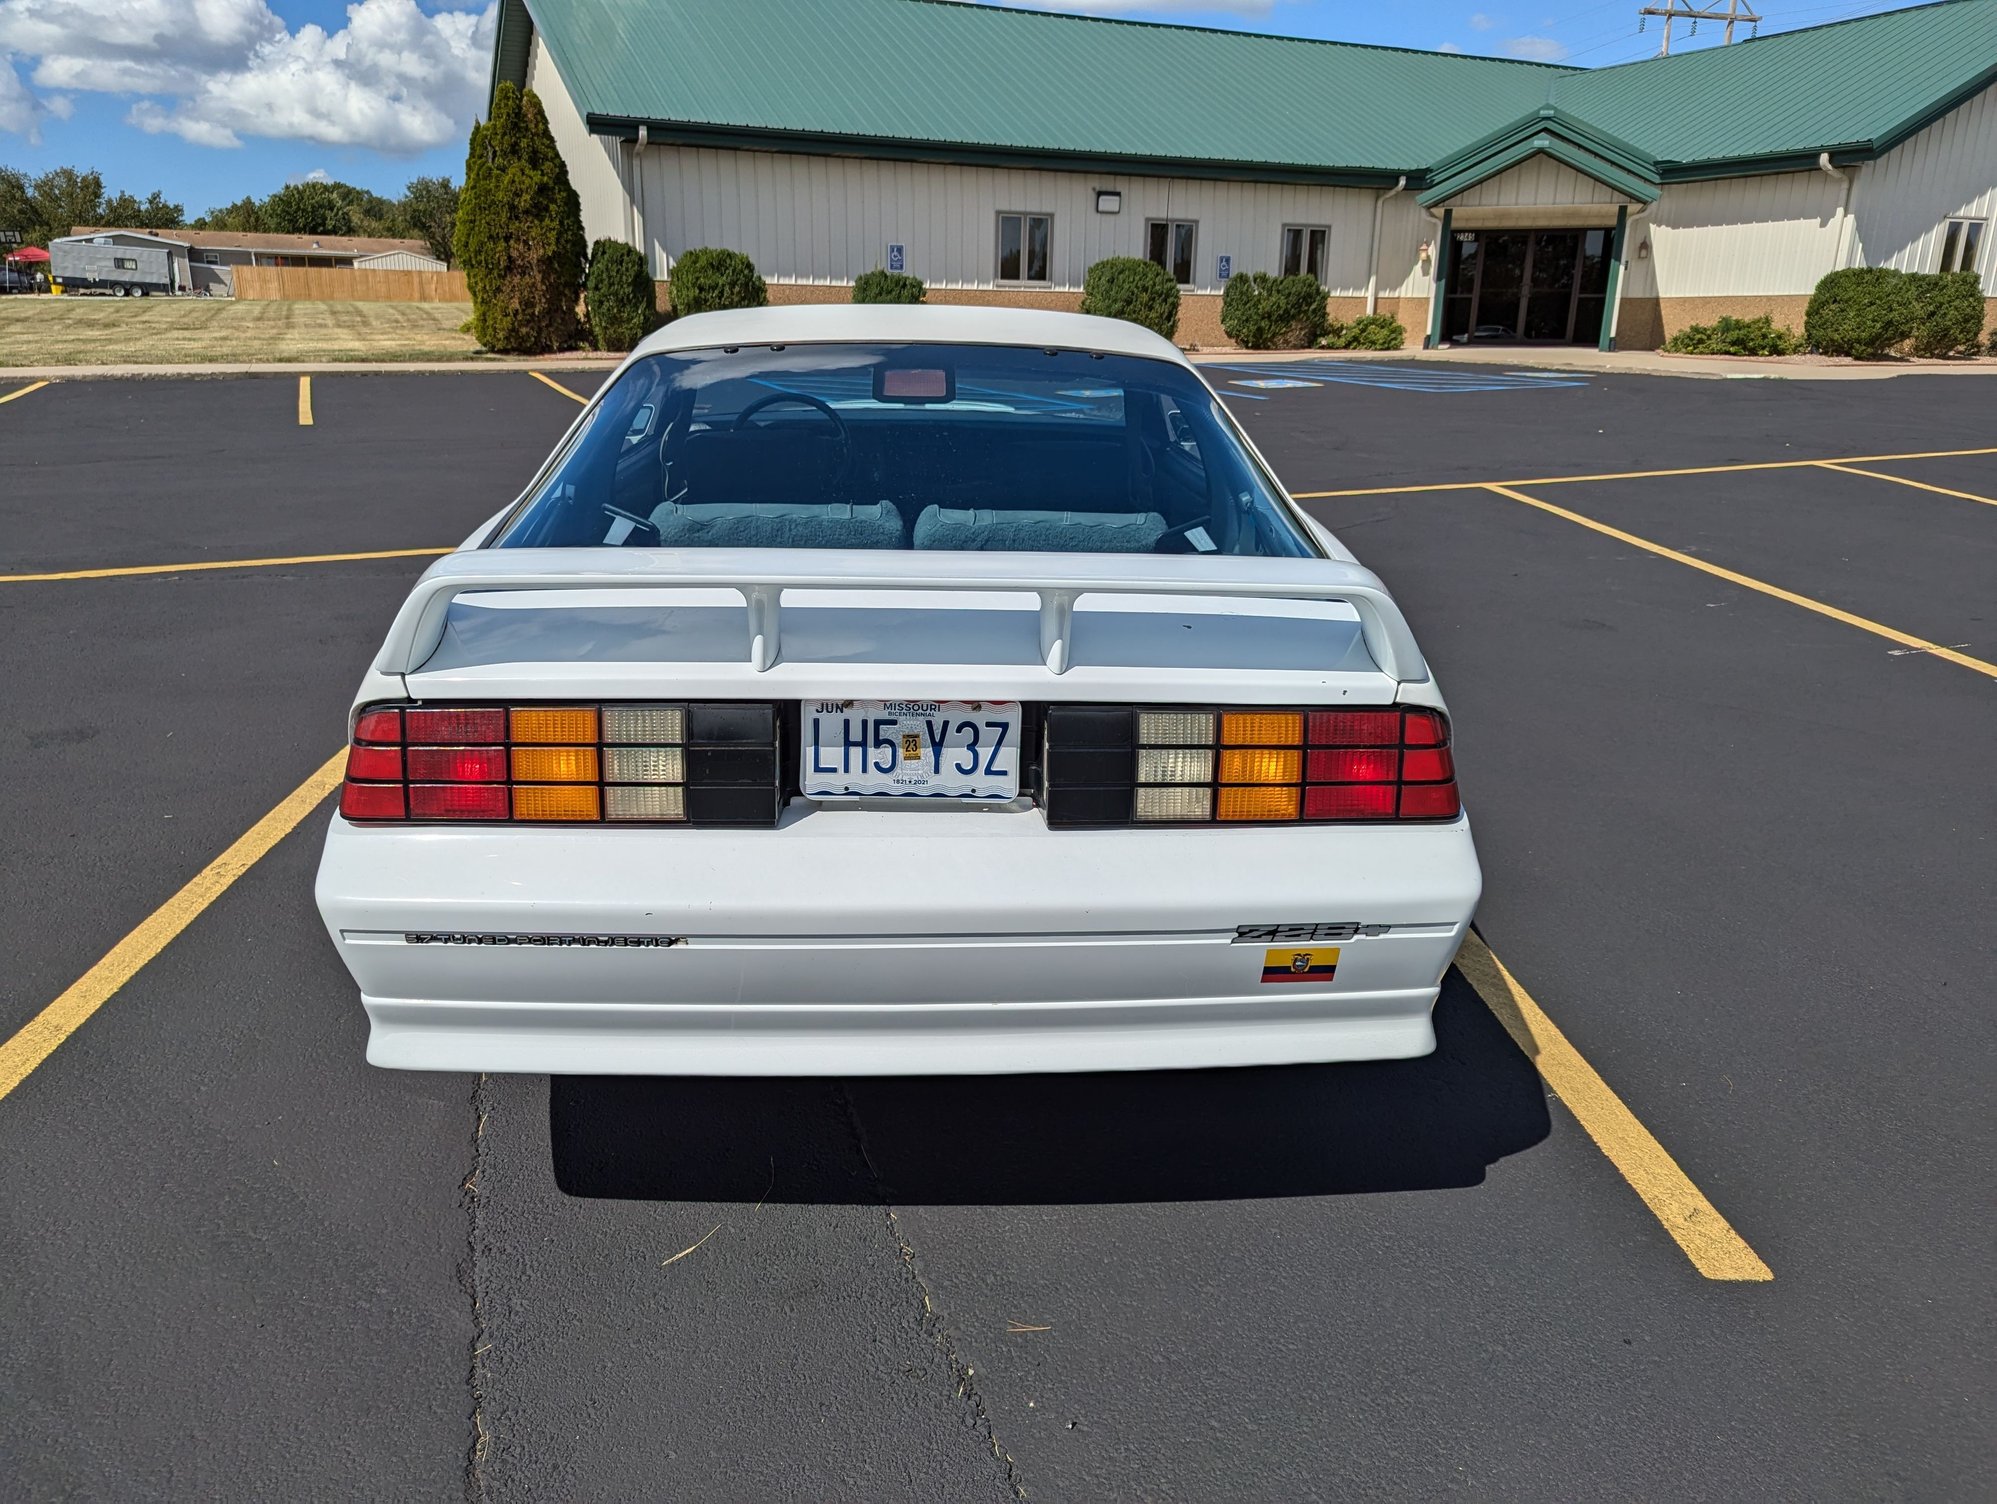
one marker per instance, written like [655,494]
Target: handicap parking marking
[1402,378]
[1272,384]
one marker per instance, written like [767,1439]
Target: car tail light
[1181,765]
[712,764]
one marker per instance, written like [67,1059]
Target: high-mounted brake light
[565,764]
[1110,765]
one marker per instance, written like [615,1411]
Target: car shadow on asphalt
[1317,1130]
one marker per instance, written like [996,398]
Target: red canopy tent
[28,253]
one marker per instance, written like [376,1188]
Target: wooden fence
[347,285]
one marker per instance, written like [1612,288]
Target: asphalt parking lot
[1725,715]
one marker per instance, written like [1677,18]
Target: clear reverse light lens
[1175,804]
[1175,765]
[644,764]
[628,724]
[654,803]
[1175,728]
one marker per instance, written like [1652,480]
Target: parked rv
[123,263]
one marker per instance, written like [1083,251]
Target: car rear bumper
[890,942]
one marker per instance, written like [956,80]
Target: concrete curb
[1627,363]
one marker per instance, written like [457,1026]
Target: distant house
[227,248]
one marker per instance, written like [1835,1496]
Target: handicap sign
[897,257]
[1226,267]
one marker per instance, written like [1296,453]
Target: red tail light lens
[1198,765]
[566,764]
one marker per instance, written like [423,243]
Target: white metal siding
[399,261]
[1536,181]
[1948,171]
[592,160]
[1738,237]
[826,219]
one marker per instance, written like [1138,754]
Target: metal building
[998,153]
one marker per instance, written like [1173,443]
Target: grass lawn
[71,331]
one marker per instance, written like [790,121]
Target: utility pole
[1685,10]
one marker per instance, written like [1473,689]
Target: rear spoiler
[762,576]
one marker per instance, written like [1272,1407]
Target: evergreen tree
[519,231]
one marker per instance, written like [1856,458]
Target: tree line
[53,203]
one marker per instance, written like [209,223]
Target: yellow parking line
[1569,480]
[1901,480]
[44,1033]
[105,574]
[33,386]
[550,381]
[1864,624]
[1708,1239]
[305,402]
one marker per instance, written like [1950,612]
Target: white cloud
[1449,47]
[1481,22]
[1536,49]
[394,78]
[20,111]
[316,175]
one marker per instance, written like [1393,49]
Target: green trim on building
[1612,295]
[931,80]
[1553,133]
[1445,249]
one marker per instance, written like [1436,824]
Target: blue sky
[208,100]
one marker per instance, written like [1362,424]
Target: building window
[1023,242]
[1169,242]
[211,258]
[1961,239]
[1304,248]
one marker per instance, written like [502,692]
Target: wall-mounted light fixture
[1109,201]
[1424,255]
[1643,250]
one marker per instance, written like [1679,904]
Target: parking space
[1737,849]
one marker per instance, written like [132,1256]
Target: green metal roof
[939,80]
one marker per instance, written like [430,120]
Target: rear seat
[780,524]
[988,530]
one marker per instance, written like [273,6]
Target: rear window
[943,447]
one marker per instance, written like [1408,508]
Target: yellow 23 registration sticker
[1319,964]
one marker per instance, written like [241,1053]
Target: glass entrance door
[1539,286]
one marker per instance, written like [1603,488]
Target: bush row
[1873,311]
[1732,336]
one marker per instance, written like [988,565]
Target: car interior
[834,459]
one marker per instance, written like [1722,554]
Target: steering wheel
[806,399]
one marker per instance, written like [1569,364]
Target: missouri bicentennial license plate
[936,749]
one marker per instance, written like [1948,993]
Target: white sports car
[887,690]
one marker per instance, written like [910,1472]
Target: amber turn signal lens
[1263,765]
[574,723]
[1258,803]
[554,764]
[1255,728]
[555,802]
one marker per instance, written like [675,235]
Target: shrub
[519,230]
[708,278]
[1948,314]
[622,304]
[1261,312]
[1732,336]
[878,286]
[1131,288]
[1370,331]
[1862,311]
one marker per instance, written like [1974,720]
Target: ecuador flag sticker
[1319,965]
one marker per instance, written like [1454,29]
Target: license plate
[939,749]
